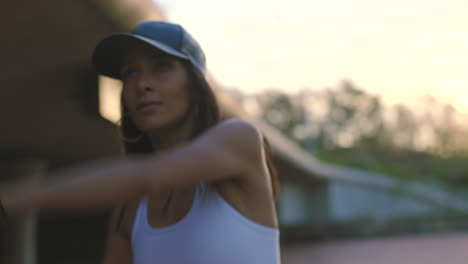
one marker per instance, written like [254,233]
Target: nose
[143,84]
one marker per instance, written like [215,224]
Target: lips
[148,106]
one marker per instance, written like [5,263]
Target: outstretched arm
[87,187]
[230,149]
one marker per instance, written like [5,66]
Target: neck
[169,137]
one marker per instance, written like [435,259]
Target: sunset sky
[400,49]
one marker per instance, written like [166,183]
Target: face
[155,88]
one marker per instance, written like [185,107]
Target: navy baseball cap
[170,38]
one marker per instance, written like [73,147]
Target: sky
[400,50]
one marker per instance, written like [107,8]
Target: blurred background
[365,104]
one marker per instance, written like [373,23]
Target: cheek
[126,98]
[129,102]
[180,95]
[185,101]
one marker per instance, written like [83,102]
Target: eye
[163,65]
[128,73]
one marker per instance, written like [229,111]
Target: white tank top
[212,232]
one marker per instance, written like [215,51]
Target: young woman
[192,188]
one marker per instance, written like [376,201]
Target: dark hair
[204,110]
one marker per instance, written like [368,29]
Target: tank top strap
[141,224]
[140,217]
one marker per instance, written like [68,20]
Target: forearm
[82,188]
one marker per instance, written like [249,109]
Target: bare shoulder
[231,149]
[237,132]
[251,193]
[238,142]
[242,137]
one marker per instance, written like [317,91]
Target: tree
[352,117]
[280,110]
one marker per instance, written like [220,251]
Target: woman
[200,190]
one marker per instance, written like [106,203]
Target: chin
[152,126]
[153,123]
[156,124]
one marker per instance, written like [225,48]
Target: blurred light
[109,98]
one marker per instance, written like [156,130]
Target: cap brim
[109,53]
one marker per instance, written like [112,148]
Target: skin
[159,82]
[229,156]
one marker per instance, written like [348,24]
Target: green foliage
[349,126]
[280,110]
[403,164]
